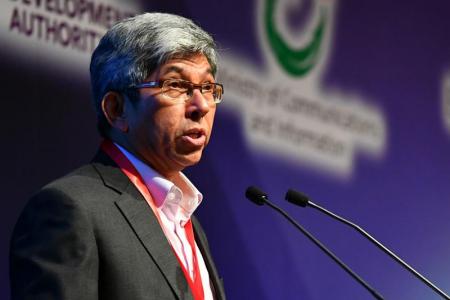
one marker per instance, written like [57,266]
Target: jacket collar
[139,215]
[202,243]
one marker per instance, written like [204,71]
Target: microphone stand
[306,202]
[260,198]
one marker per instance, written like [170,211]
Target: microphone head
[297,198]
[256,195]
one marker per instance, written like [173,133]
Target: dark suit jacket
[91,235]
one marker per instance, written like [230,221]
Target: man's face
[165,133]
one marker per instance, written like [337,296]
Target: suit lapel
[202,244]
[145,225]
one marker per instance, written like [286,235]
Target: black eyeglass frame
[191,87]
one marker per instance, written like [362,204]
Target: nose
[197,106]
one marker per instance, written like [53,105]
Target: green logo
[296,62]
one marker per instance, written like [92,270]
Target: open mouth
[194,133]
[195,137]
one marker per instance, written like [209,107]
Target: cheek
[168,124]
[210,120]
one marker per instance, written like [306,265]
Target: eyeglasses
[183,90]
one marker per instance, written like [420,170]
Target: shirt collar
[169,199]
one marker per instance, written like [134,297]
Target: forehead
[192,66]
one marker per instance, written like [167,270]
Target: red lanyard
[130,171]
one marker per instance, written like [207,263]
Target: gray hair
[135,47]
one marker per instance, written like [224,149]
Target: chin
[191,159]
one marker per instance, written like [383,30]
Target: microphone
[302,200]
[256,195]
[260,198]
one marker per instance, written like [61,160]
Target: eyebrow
[179,70]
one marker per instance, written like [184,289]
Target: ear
[113,107]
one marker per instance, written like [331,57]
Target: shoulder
[66,209]
[85,186]
[75,196]
[83,178]
[54,231]
[60,199]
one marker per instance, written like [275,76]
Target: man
[122,226]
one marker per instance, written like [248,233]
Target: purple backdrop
[393,52]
